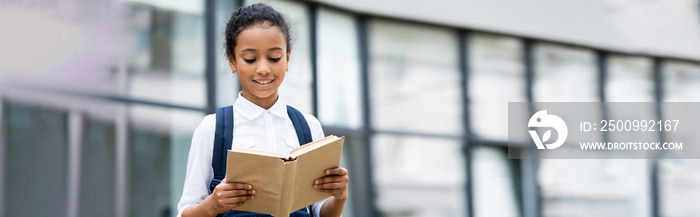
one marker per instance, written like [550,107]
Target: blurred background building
[99,100]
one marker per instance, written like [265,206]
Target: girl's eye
[249,60]
[275,59]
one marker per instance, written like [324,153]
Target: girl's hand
[335,182]
[227,196]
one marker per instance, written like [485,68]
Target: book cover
[284,183]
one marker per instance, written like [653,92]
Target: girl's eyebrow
[255,50]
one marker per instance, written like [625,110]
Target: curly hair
[254,15]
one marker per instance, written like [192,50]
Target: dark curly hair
[254,15]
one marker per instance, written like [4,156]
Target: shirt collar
[250,110]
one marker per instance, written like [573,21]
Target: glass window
[493,183]
[149,166]
[349,160]
[496,78]
[345,162]
[159,142]
[679,178]
[678,186]
[418,176]
[571,187]
[594,187]
[84,56]
[98,168]
[414,78]
[146,49]
[338,70]
[227,85]
[564,74]
[681,81]
[630,79]
[296,88]
[165,52]
[36,160]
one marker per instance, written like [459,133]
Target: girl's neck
[265,103]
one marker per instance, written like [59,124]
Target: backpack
[223,139]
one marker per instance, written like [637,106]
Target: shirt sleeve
[316,207]
[199,171]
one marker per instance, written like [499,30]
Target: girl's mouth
[263,82]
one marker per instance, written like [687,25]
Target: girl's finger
[329,179]
[337,171]
[237,193]
[329,186]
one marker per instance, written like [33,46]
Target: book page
[259,152]
[311,165]
[264,172]
[311,146]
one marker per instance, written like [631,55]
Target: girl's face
[261,62]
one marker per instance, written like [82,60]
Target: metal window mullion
[239,3]
[210,53]
[655,189]
[602,66]
[367,192]
[463,56]
[75,131]
[529,67]
[121,190]
[3,127]
[313,33]
[530,200]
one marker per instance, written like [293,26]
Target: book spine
[290,169]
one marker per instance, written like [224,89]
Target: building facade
[99,100]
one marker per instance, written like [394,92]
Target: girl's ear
[231,62]
[289,52]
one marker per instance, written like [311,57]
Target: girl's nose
[263,68]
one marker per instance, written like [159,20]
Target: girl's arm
[336,183]
[199,173]
[225,197]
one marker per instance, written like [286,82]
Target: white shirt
[253,127]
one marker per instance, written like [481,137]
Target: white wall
[644,26]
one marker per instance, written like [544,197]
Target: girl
[258,49]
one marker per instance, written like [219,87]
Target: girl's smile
[263,83]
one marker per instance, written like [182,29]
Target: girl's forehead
[261,37]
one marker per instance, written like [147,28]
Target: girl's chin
[263,94]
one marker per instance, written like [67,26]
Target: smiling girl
[258,50]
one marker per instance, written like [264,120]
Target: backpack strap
[303,134]
[300,125]
[223,137]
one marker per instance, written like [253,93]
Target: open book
[283,183]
